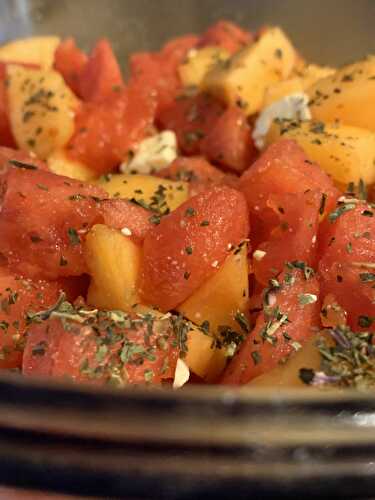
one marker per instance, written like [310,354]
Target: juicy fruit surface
[47,241]
[294,238]
[229,142]
[189,244]
[129,217]
[283,168]
[70,62]
[347,250]
[101,75]
[347,235]
[191,118]
[112,351]
[7,154]
[18,297]
[284,325]
[157,73]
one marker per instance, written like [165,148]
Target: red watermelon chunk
[282,168]
[101,75]
[17,156]
[347,251]
[157,72]
[43,218]
[18,296]
[352,287]
[229,142]
[6,136]
[70,61]
[191,118]
[348,234]
[120,214]
[190,243]
[137,351]
[290,317]
[107,132]
[294,238]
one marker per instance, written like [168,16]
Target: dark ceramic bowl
[200,442]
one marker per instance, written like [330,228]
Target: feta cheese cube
[290,107]
[153,154]
[181,375]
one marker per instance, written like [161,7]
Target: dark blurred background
[330,32]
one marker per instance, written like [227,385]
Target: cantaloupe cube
[41,109]
[244,78]
[146,189]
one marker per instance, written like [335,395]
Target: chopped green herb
[242,321]
[271,327]
[155,219]
[350,362]
[367,213]
[257,358]
[228,338]
[307,298]
[299,264]
[4,325]
[148,375]
[296,345]
[193,136]
[101,353]
[278,53]
[76,197]
[63,261]
[189,212]
[35,238]
[274,284]
[289,279]
[362,190]
[341,209]
[205,326]
[365,321]
[317,127]
[39,349]
[322,203]
[21,164]
[73,236]
[367,277]
[347,78]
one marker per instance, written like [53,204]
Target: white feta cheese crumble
[153,154]
[126,231]
[292,107]
[181,374]
[259,254]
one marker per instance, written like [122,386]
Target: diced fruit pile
[210,220]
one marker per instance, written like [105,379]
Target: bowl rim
[78,439]
[83,409]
